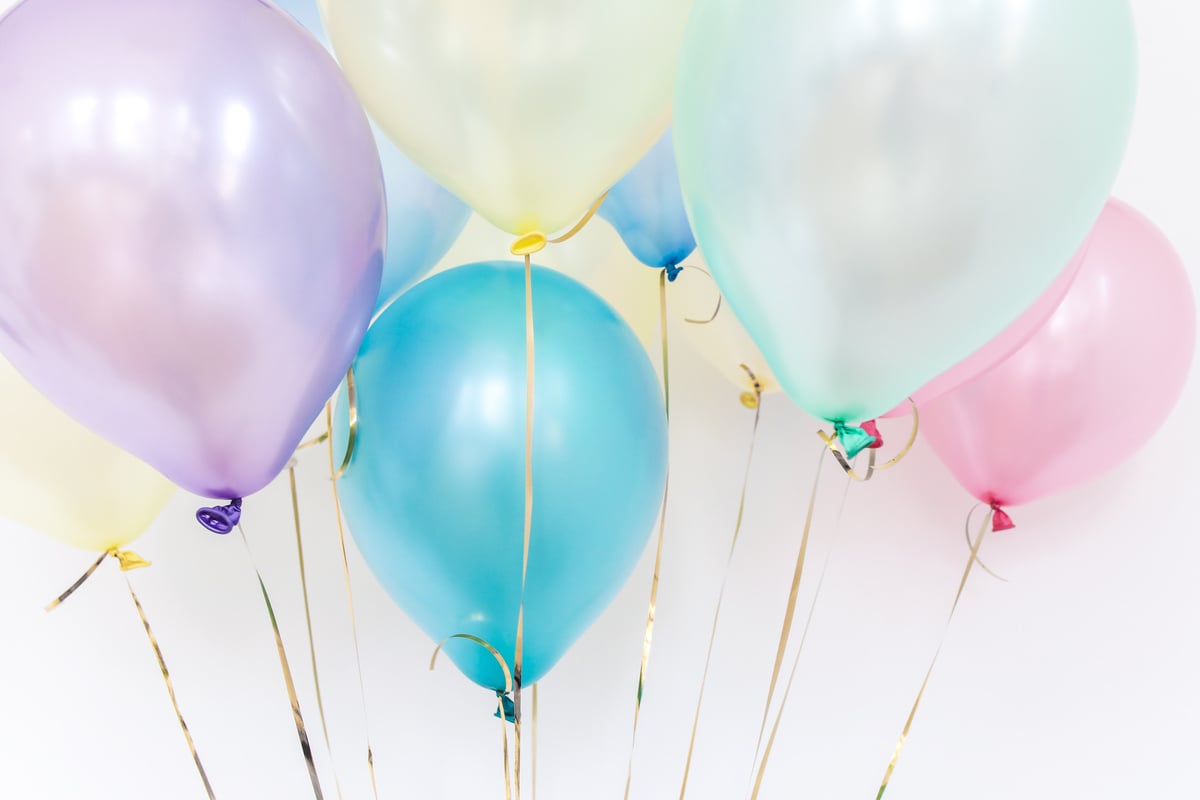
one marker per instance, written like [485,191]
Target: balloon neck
[529,244]
[855,438]
[510,708]
[673,271]
[128,560]
[221,519]
[1001,521]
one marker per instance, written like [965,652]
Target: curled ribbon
[848,441]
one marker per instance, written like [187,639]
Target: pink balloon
[1004,345]
[191,227]
[1090,387]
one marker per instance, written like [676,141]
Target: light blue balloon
[434,494]
[424,219]
[646,207]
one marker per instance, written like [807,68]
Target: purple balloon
[191,227]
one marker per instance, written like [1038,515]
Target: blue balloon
[424,219]
[646,208]
[434,493]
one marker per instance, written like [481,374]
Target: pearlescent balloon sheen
[423,218]
[191,227]
[881,187]
[1091,386]
[646,208]
[529,110]
[434,494]
[60,479]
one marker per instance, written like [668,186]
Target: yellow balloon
[59,478]
[526,109]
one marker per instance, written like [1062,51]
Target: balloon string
[129,561]
[337,510]
[647,639]
[790,612]
[508,687]
[891,767]
[518,658]
[56,602]
[583,221]
[720,299]
[162,666]
[312,648]
[297,718]
[787,689]
[737,528]
[533,736]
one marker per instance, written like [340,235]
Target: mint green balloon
[880,187]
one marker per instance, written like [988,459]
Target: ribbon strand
[312,647]
[297,717]
[162,666]
[962,584]
[337,510]
[787,689]
[737,529]
[790,611]
[647,638]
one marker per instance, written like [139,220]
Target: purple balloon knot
[221,519]
[1001,521]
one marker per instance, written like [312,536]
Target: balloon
[646,208]
[527,109]
[192,227]
[1004,345]
[883,187]
[1091,386]
[434,494]
[423,218]
[60,479]
[6,5]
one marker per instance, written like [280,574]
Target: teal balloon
[882,187]
[434,493]
[646,208]
[424,219]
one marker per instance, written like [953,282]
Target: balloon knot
[673,271]
[510,709]
[221,519]
[870,427]
[529,244]
[855,439]
[1001,521]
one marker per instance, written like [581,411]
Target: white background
[1075,679]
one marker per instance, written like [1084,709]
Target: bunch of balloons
[199,224]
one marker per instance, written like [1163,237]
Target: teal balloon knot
[510,709]
[673,271]
[854,439]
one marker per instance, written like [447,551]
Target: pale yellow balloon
[526,109]
[60,479]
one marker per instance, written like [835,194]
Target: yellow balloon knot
[128,560]
[529,244]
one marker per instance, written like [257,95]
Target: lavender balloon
[191,227]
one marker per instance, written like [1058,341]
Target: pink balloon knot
[1001,521]
[870,427]
[221,519]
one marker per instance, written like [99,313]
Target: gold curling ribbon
[129,561]
[737,528]
[527,246]
[508,687]
[534,738]
[337,510]
[790,611]
[891,767]
[647,639]
[717,310]
[312,647]
[831,441]
[162,666]
[787,689]
[297,717]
